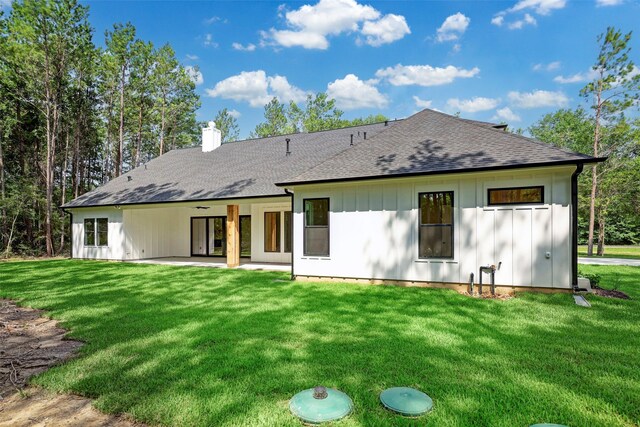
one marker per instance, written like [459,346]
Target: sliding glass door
[209,236]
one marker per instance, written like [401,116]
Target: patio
[245,263]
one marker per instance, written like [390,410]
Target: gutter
[574,228]
[444,172]
[290,193]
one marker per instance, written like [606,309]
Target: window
[96,232]
[316,227]
[516,195]
[272,231]
[436,225]
[288,231]
[89,232]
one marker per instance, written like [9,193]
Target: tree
[276,123]
[44,36]
[142,62]
[228,125]
[615,88]
[119,46]
[319,113]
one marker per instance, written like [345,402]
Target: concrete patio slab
[245,264]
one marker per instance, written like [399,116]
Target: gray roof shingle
[248,168]
[430,142]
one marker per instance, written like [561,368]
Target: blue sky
[507,61]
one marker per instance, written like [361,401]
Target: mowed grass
[203,347]
[629,252]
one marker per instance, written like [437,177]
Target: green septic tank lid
[406,401]
[320,404]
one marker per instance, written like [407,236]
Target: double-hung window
[96,232]
[436,225]
[316,227]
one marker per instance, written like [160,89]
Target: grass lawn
[201,346]
[629,252]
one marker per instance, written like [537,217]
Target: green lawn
[199,346]
[629,252]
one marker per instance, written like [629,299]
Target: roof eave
[447,172]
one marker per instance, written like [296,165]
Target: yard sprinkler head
[320,392]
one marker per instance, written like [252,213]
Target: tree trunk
[3,211]
[51,142]
[594,175]
[601,223]
[63,179]
[139,137]
[162,125]
[121,135]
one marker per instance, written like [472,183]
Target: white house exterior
[425,201]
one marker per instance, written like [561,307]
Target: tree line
[73,116]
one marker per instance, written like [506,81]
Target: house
[426,200]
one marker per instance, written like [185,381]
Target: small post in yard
[233,236]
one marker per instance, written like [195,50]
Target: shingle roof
[430,142]
[248,168]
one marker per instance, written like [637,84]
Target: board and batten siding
[374,230]
[156,231]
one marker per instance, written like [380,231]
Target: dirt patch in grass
[609,293]
[29,344]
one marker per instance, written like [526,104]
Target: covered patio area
[245,263]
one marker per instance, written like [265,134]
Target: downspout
[290,193]
[574,228]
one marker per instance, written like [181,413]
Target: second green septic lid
[320,404]
[406,401]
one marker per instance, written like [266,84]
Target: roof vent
[129,179]
[288,151]
[365,135]
[386,122]
[351,140]
[211,137]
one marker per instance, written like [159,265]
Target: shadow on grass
[199,346]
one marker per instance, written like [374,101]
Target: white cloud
[248,48]
[507,115]
[609,2]
[520,23]
[422,103]
[208,41]
[453,27]
[473,105]
[590,75]
[256,88]
[551,66]
[195,74]
[189,56]
[385,30]
[424,75]
[212,20]
[541,7]
[577,78]
[234,113]
[456,48]
[538,98]
[310,25]
[498,20]
[286,38]
[352,93]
